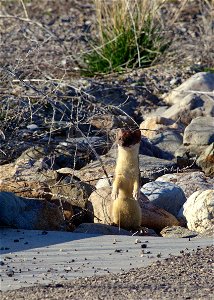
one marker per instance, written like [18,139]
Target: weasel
[126,210]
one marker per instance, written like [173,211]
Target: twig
[25,10]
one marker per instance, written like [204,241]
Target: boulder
[190,107]
[197,136]
[23,213]
[177,232]
[206,160]
[32,153]
[28,189]
[71,191]
[199,211]
[155,125]
[152,167]
[165,195]
[189,182]
[94,171]
[103,182]
[168,141]
[100,203]
[200,132]
[34,170]
[200,82]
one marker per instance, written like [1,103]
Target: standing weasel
[126,210]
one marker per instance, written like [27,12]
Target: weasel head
[128,137]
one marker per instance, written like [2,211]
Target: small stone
[32,127]
[10,273]
[143,246]
[137,241]
[118,250]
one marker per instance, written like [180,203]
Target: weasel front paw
[114,194]
[136,194]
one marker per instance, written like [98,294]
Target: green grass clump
[129,36]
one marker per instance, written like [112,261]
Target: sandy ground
[42,260]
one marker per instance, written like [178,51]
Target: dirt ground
[188,276]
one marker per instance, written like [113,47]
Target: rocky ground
[188,276]
[57,133]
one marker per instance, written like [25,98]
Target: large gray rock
[197,136]
[200,132]
[26,213]
[189,182]
[200,82]
[168,141]
[152,167]
[165,195]
[199,211]
[190,107]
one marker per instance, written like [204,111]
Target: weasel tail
[126,210]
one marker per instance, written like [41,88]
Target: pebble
[32,127]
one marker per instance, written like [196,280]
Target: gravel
[188,276]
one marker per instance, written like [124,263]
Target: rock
[103,182]
[168,141]
[165,195]
[93,171]
[155,217]
[197,136]
[7,171]
[200,132]
[35,170]
[190,107]
[206,160]
[32,127]
[101,205]
[200,82]
[151,167]
[109,121]
[149,149]
[32,153]
[25,169]
[199,211]
[152,216]
[81,144]
[96,228]
[113,96]
[177,232]
[189,182]
[154,125]
[72,191]
[28,189]
[26,213]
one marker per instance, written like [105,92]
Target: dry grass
[129,35]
